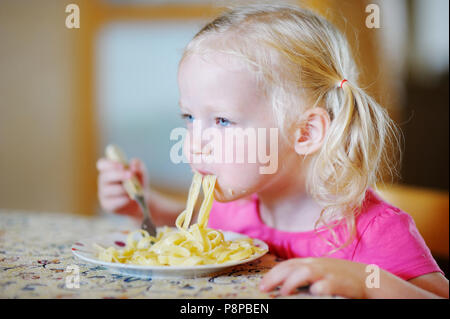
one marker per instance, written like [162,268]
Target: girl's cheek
[186,150]
[236,181]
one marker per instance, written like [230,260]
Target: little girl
[277,66]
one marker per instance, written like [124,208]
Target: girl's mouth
[203,172]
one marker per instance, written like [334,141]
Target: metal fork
[133,188]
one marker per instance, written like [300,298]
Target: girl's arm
[432,285]
[434,282]
[330,276]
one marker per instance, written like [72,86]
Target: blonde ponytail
[353,155]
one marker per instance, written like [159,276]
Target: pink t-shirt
[385,236]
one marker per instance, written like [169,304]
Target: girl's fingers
[139,170]
[299,278]
[112,190]
[114,176]
[135,164]
[275,276]
[106,164]
[322,287]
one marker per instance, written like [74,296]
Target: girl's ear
[311,132]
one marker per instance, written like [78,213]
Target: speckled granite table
[35,253]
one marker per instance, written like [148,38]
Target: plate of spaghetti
[182,251]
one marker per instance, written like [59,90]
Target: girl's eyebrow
[211,107]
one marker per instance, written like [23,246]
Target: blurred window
[137,92]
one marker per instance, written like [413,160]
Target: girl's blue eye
[187,117]
[222,121]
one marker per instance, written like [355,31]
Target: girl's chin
[224,195]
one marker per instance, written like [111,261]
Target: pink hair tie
[342,82]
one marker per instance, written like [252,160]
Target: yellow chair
[428,208]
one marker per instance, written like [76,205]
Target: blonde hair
[301,59]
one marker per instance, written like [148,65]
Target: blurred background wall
[39,100]
[66,93]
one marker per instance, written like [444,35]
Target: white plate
[85,251]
